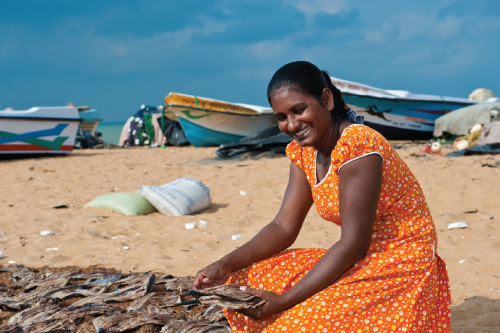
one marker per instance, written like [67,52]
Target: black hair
[306,78]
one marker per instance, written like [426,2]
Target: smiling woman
[383,275]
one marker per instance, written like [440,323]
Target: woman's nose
[293,124]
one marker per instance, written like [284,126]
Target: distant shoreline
[111,131]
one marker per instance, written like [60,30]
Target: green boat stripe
[54,145]
[190,116]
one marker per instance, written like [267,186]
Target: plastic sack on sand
[185,196]
[124,203]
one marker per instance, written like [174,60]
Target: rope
[444,102]
[196,101]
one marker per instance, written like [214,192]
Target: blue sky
[117,55]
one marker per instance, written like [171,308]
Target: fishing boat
[90,119]
[398,114]
[39,130]
[210,122]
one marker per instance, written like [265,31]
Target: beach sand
[457,189]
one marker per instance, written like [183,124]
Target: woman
[383,275]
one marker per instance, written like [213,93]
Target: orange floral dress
[401,285]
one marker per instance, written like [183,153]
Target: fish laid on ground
[105,279]
[179,284]
[133,278]
[127,321]
[67,320]
[25,300]
[213,314]
[84,290]
[40,312]
[18,272]
[57,327]
[127,294]
[45,279]
[53,281]
[11,329]
[195,326]
[226,296]
[160,300]
[87,310]
[164,278]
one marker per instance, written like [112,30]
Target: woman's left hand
[274,303]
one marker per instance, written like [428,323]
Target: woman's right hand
[215,274]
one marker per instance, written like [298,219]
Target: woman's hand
[274,303]
[213,275]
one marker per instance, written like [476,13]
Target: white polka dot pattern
[399,286]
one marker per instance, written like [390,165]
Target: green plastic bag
[124,203]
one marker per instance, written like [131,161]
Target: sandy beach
[457,189]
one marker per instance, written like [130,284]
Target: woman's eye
[300,111]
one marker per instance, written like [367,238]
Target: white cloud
[313,7]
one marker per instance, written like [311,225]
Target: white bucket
[185,196]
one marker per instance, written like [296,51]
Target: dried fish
[194,326]
[105,279]
[179,284]
[162,279]
[140,302]
[213,314]
[133,278]
[87,310]
[130,320]
[127,294]
[25,300]
[38,313]
[159,300]
[47,279]
[226,296]
[77,290]
[67,320]
[18,272]
[11,329]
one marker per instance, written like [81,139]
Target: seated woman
[383,275]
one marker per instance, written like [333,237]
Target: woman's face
[303,117]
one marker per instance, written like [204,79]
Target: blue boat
[90,119]
[208,122]
[398,114]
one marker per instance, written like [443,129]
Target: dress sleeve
[294,153]
[360,141]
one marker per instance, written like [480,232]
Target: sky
[115,55]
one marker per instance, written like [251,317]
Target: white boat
[209,122]
[398,114]
[39,130]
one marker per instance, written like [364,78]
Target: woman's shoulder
[362,134]
[360,129]
[358,140]
[294,153]
[293,148]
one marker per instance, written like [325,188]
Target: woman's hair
[306,78]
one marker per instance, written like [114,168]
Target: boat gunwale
[41,118]
[222,112]
[412,100]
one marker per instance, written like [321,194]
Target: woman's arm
[359,189]
[275,237]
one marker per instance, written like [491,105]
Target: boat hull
[204,128]
[401,119]
[90,120]
[38,131]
